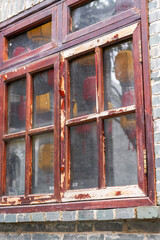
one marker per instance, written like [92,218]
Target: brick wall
[154,31]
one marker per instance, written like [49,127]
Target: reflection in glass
[84,156]
[15,167]
[43,163]
[83,85]
[29,40]
[118,76]
[121,150]
[17,106]
[43,98]
[96,11]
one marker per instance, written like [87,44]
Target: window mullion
[29,106]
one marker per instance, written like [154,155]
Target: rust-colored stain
[62,168]
[82,196]
[62,93]
[5,77]
[115,37]
[118,193]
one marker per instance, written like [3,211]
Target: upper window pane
[96,11]
[17,106]
[29,40]
[83,85]
[118,76]
[43,98]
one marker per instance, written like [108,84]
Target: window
[76,123]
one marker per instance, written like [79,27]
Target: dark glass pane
[43,98]
[84,156]
[83,86]
[118,76]
[96,11]
[43,163]
[29,40]
[121,151]
[15,167]
[17,106]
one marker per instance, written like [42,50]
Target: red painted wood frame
[108,23]
[25,25]
[27,71]
[138,109]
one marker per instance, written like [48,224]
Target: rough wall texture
[154,31]
[9,8]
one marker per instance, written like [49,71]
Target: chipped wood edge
[124,32]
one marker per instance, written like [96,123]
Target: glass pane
[118,76]
[96,11]
[29,40]
[43,164]
[83,86]
[84,156]
[43,98]
[121,151]
[15,167]
[17,106]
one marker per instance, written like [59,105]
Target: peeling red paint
[62,93]
[118,193]
[82,196]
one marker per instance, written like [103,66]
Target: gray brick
[23,217]
[157,137]
[154,16]
[125,213]
[106,214]
[96,237]
[61,227]
[153,237]
[11,236]
[155,63]
[2,218]
[158,188]
[69,216]
[2,236]
[52,216]
[144,226]
[155,74]
[156,88]
[158,174]
[85,226]
[24,236]
[154,39]
[85,215]
[147,212]
[10,218]
[154,28]
[155,100]
[124,237]
[157,125]
[21,5]
[156,113]
[38,217]
[152,5]
[74,237]
[109,226]
[157,150]
[157,162]
[44,236]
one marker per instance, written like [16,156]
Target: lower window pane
[15,167]
[84,156]
[43,164]
[121,151]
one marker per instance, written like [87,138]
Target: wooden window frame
[10,77]
[105,25]
[24,25]
[111,192]
[12,69]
